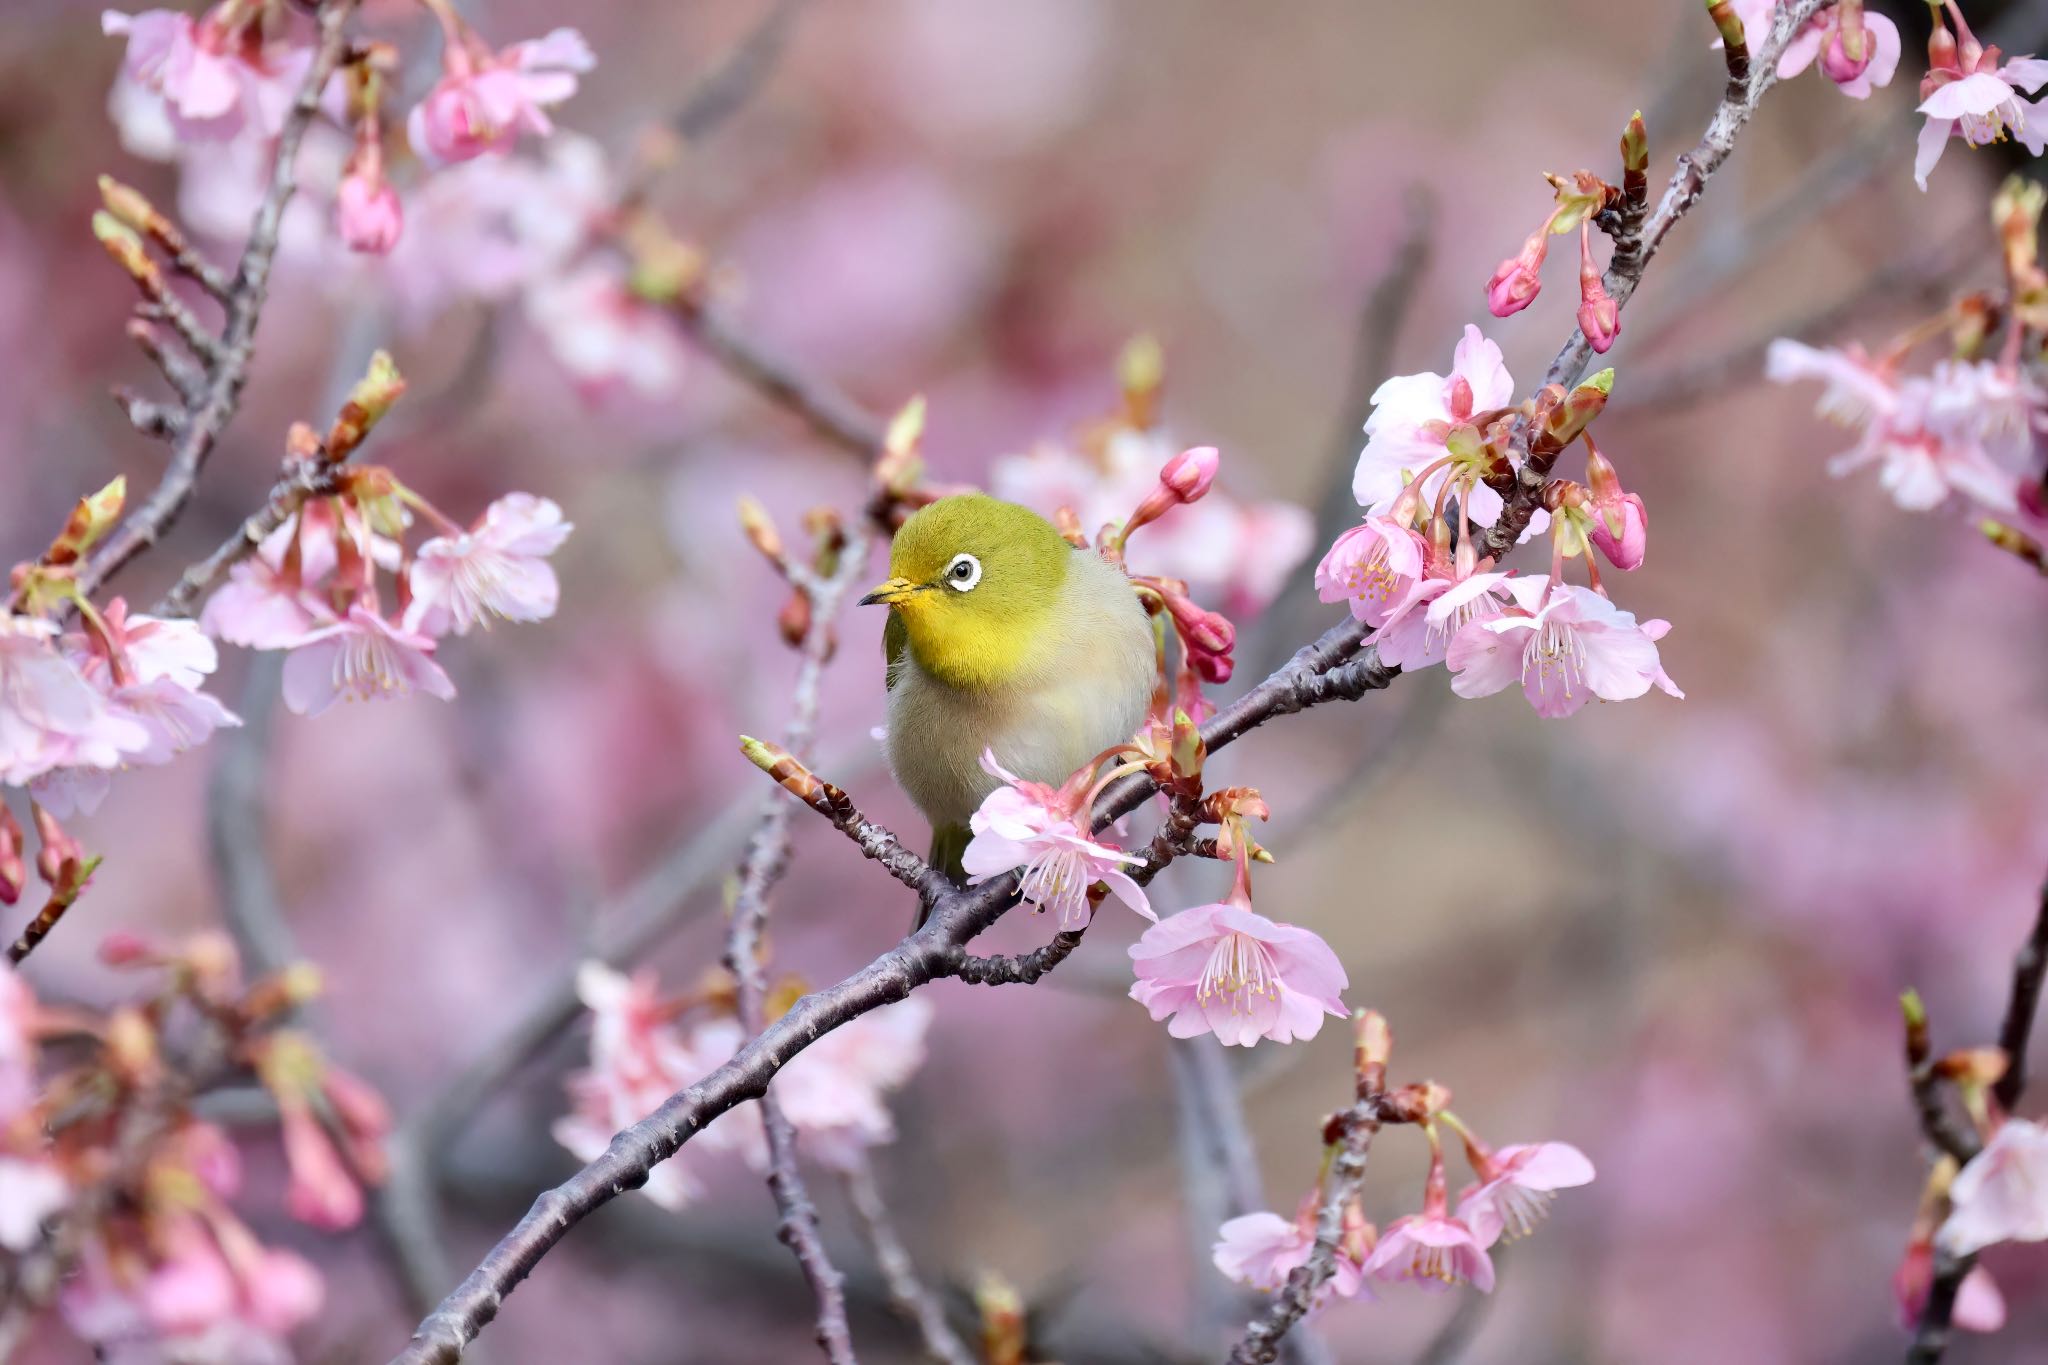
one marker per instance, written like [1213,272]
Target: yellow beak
[890,593]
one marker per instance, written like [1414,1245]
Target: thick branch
[223,389]
[2028,967]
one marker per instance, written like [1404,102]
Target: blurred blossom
[2001,1194]
[1237,554]
[50,716]
[866,272]
[484,101]
[215,75]
[362,657]
[604,336]
[1979,1306]
[990,78]
[1517,1185]
[1262,1249]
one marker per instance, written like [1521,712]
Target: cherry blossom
[1968,93]
[1432,1248]
[1225,969]
[1928,436]
[214,76]
[50,715]
[484,101]
[367,212]
[497,568]
[1262,1249]
[30,1192]
[361,658]
[1826,37]
[1045,832]
[2001,1194]
[1412,419]
[833,1092]
[1564,645]
[604,336]
[1517,280]
[1517,1186]
[1374,566]
[1420,628]
[1620,523]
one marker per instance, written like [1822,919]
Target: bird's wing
[895,645]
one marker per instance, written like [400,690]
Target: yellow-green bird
[1003,636]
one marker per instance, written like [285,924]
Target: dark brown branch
[223,390]
[1019,970]
[2028,967]
[1687,183]
[907,1292]
[301,480]
[767,859]
[1940,1126]
[38,929]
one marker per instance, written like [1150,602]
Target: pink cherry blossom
[1823,37]
[1626,544]
[50,715]
[637,1060]
[497,568]
[1979,1306]
[1411,420]
[321,1192]
[18,1085]
[1929,436]
[2001,1194]
[1229,551]
[1517,1187]
[1574,646]
[833,1092]
[1373,566]
[483,102]
[1227,970]
[1419,630]
[604,336]
[367,212]
[1433,1250]
[1031,826]
[213,80]
[1980,107]
[1262,1249]
[363,658]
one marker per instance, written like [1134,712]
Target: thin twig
[767,859]
[724,91]
[2028,967]
[828,410]
[223,391]
[917,1304]
[1262,1339]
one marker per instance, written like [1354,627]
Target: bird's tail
[949,844]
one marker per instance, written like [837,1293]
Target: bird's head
[975,582]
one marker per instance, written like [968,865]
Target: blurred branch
[725,90]
[767,859]
[1625,270]
[826,408]
[1321,672]
[227,360]
[2030,965]
[913,1301]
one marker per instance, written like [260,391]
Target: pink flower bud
[1190,473]
[1624,551]
[1599,314]
[283,1290]
[124,948]
[367,212]
[1515,281]
[321,1192]
[13,871]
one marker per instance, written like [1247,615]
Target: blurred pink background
[1672,933]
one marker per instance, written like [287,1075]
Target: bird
[1005,637]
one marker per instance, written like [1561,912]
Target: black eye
[963,573]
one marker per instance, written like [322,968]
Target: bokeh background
[1670,932]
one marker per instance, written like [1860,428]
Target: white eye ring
[963,573]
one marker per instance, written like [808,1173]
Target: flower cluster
[1230,552]
[1436,447]
[312,588]
[833,1092]
[1857,49]
[1511,1192]
[106,1170]
[1969,427]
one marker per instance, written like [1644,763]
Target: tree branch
[222,394]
